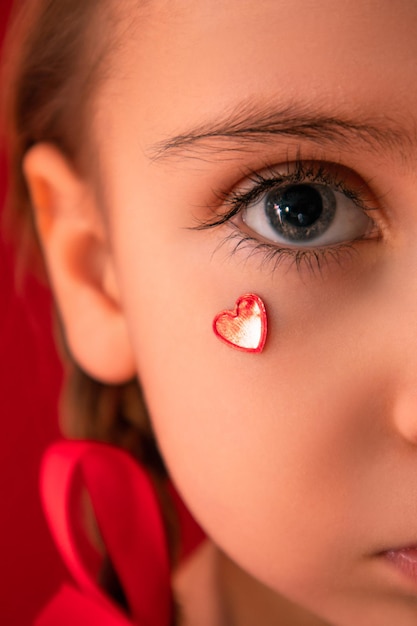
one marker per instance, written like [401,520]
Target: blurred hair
[57,53]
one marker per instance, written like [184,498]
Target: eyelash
[299,171]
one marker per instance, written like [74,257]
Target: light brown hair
[57,52]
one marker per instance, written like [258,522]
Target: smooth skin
[300,462]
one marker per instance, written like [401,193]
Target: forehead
[189,60]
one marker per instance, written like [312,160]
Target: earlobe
[80,265]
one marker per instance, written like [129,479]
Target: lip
[404,560]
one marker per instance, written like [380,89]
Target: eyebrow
[249,124]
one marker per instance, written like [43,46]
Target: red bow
[127,514]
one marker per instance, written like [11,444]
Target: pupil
[299,206]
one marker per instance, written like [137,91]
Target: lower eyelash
[312,259]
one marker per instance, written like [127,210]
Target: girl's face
[300,462]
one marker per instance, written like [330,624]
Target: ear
[79,262]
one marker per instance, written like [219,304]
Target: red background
[30,376]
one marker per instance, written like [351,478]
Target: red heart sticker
[244,328]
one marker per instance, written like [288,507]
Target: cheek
[246,437]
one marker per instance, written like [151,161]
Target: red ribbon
[128,516]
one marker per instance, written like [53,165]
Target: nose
[405,413]
[401,336]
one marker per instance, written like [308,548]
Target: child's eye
[306,215]
[306,210]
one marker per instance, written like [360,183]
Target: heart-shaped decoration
[244,328]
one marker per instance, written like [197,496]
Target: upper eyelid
[314,172]
[298,170]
